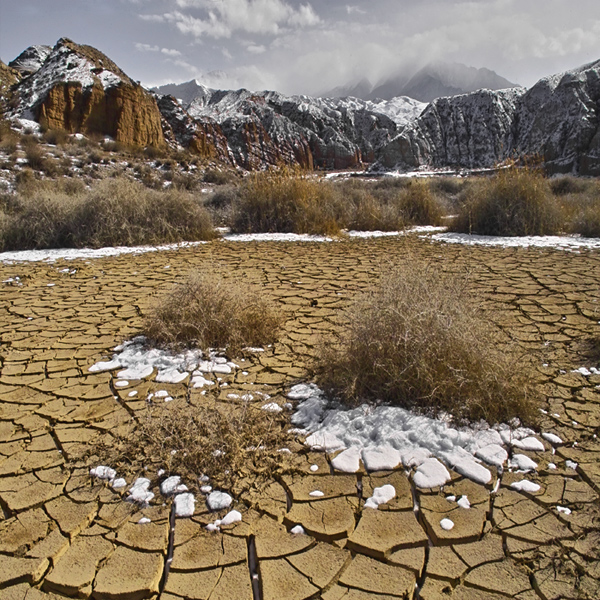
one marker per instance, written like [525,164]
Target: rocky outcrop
[79,89]
[201,137]
[270,128]
[556,121]
[9,77]
[30,60]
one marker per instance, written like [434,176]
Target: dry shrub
[513,202]
[207,311]
[419,205]
[35,157]
[222,441]
[286,201]
[419,342]
[121,211]
[580,205]
[218,177]
[114,212]
[56,137]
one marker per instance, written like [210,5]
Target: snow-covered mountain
[433,81]
[79,89]
[556,121]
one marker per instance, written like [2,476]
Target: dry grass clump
[419,205]
[207,311]
[286,201]
[419,342]
[513,202]
[580,204]
[222,441]
[114,212]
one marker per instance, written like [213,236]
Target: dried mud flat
[63,533]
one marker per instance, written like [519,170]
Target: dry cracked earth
[63,533]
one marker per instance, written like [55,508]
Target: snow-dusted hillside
[557,121]
[31,59]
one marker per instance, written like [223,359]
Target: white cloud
[170,52]
[222,19]
[355,10]
[253,49]
[146,47]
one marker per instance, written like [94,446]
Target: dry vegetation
[113,212]
[222,441]
[207,311]
[419,342]
[517,202]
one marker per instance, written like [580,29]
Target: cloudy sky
[310,46]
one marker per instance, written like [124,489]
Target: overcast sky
[309,46]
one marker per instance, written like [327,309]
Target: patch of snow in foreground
[386,437]
[219,500]
[559,242]
[381,495]
[52,255]
[184,505]
[139,362]
[275,237]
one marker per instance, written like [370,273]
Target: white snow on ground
[233,516]
[386,437]
[564,510]
[381,495]
[103,472]
[559,242]
[525,486]
[139,362]
[587,372]
[297,530]
[184,505]
[552,438]
[169,485]
[218,500]
[521,462]
[275,237]
[376,234]
[139,493]
[85,253]
[446,524]
[463,502]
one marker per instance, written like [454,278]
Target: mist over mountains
[432,81]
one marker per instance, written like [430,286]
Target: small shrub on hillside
[35,157]
[513,202]
[56,137]
[419,342]
[206,311]
[286,201]
[364,211]
[563,186]
[218,177]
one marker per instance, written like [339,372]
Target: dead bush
[418,341]
[286,201]
[514,202]
[418,204]
[222,441]
[207,311]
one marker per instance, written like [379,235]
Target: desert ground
[64,533]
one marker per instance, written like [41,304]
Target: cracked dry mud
[63,533]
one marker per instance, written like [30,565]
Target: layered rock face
[270,128]
[557,121]
[79,89]
[30,60]
[8,78]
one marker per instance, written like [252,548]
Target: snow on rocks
[169,485]
[552,438]
[297,530]
[184,504]
[144,521]
[525,486]
[381,495]
[139,362]
[463,502]
[521,462]
[118,483]
[446,524]
[316,494]
[233,516]
[218,500]
[431,473]
[139,492]
[386,437]
[347,461]
[103,472]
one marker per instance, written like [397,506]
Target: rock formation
[79,89]
[556,121]
[30,60]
